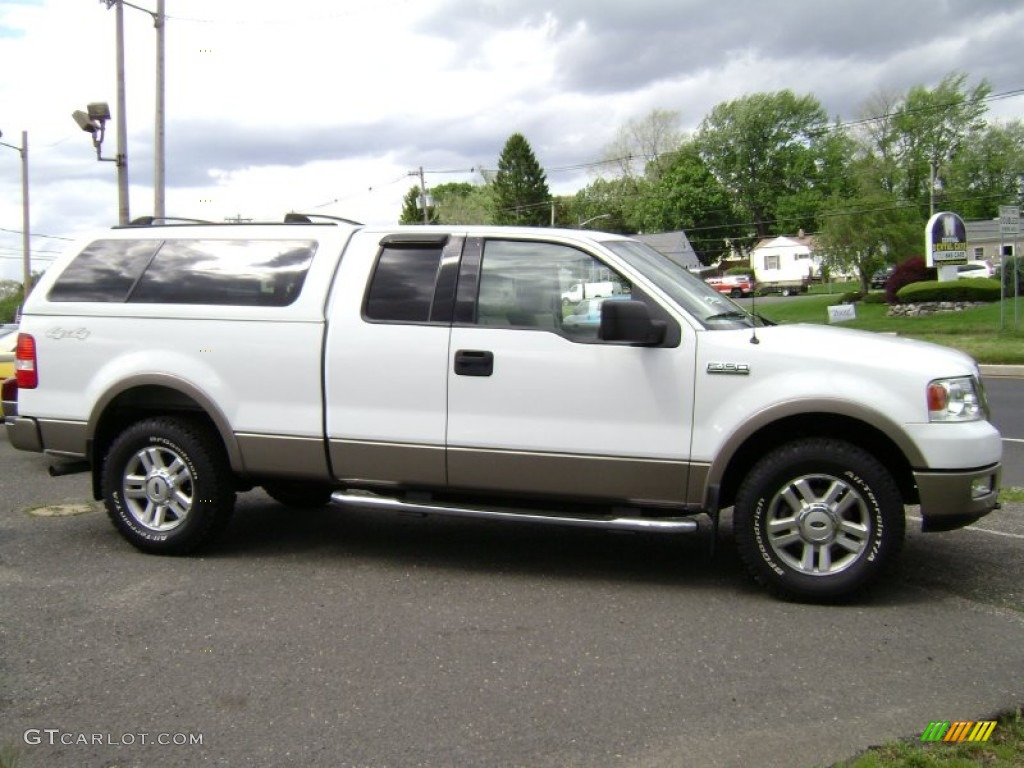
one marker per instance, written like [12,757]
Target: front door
[537,404]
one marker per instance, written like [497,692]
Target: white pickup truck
[429,369]
[579,291]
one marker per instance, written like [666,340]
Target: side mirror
[630,321]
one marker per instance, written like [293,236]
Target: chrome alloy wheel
[818,525]
[158,488]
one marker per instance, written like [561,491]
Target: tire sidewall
[858,470]
[199,520]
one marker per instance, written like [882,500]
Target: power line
[36,234]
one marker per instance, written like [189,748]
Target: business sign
[1009,219]
[945,240]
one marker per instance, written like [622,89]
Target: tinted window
[105,271]
[402,288]
[265,273]
[540,285]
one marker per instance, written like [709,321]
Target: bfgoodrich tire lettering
[818,520]
[167,485]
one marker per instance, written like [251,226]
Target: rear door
[541,407]
[385,359]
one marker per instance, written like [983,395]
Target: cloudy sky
[327,105]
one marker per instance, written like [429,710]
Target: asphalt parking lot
[341,638]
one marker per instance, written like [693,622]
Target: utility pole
[26,258]
[423,197]
[123,216]
[158,132]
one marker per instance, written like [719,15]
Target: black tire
[167,485]
[736,293]
[299,495]
[818,520]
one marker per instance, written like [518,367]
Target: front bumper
[952,500]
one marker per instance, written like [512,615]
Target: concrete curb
[1003,371]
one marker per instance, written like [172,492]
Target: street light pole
[122,124]
[26,259]
[123,216]
[582,224]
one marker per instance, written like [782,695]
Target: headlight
[954,400]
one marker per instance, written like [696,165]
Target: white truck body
[317,378]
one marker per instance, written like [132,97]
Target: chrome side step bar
[610,523]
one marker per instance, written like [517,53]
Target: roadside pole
[1009,224]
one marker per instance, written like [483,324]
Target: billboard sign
[945,240]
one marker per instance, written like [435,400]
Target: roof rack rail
[307,218]
[149,221]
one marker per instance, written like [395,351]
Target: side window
[545,286]
[104,271]
[402,287]
[254,273]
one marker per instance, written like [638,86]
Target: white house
[785,259]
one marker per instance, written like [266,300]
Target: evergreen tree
[521,195]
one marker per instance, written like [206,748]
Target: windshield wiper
[729,316]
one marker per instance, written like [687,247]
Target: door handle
[474,362]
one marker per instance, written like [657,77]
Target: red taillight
[25,362]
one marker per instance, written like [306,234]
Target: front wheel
[167,485]
[818,520]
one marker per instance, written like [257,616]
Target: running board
[609,523]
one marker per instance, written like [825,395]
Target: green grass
[1011,495]
[1005,749]
[976,331]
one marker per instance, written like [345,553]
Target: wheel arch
[150,395]
[878,436]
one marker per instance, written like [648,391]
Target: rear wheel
[818,520]
[167,485]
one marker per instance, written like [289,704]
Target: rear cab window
[262,273]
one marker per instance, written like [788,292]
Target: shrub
[1007,271]
[739,271]
[852,297]
[874,298]
[913,270]
[976,289]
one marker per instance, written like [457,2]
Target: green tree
[412,208]
[605,204]
[986,172]
[641,147]
[768,147]
[685,195]
[931,127]
[861,234]
[520,188]
[463,203]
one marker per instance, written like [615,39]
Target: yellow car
[8,340]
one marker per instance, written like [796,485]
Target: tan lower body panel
[388,463]
[552,474]
[283,456]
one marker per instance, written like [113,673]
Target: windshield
[704,303]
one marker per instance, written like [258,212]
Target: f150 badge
[729,369]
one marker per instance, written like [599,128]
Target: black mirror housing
[630,322]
